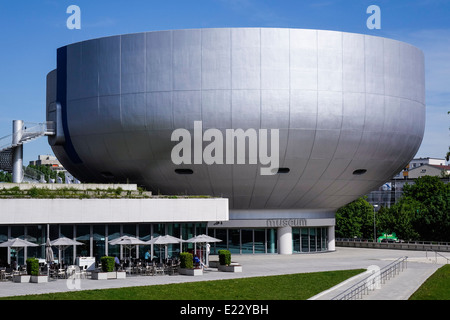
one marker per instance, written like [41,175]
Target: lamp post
[374,229]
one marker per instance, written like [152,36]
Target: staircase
[26,132]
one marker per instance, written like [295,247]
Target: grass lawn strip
[436,287]
[299,286]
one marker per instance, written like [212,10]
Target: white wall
[42,211]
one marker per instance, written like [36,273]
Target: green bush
[107,263]
[224,257]
[32,266]
[186,260]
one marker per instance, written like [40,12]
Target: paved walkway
[398,288]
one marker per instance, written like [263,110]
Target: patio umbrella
[203,238]
[127,241]
[48,255]
[62,244]
[163,241]
[48,251]
[17,244]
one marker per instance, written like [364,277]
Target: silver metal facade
[341,101]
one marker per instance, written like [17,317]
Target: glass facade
[254,241]
[306,240]
[245,241]
[94,239]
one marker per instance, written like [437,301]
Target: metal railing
[401,245]
[373,281]
[30,130]
[436,254]
[404,242]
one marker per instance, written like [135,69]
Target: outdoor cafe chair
[61,274]
[5,274]
[159,268]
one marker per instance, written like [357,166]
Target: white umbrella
[17,244]
[127,241]
[203,238]
[164,240]
[63,243]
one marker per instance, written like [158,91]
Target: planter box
[108,275]
[99,275]
[231,268]
[191,272]
[21,278]
[39,279]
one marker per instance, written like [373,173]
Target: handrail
[369,283]
[402,242]
[435,255]
[29,130]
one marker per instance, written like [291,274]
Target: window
[83,236]
[66,230]
[260,240]
[234,240]
[247,241]
[99,241]
[305,240]
[296,239]
[312,239]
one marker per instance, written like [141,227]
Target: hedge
[224,257]
[108,263]
[186,260]
[32,266]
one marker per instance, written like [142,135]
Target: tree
[433,217]
[400,218]
[355,220]
[48,172]
[447,157]
[423,212]
[5,176]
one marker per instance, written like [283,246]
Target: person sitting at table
[116,262]
[148,256]
[196,261]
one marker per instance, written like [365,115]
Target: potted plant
[187,265]
[107,271]
[20,278]
[33,270]
[225,263]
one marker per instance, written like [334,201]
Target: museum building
[345,112]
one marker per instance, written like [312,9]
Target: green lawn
[437,287]
[284,287]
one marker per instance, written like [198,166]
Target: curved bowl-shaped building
[349,109]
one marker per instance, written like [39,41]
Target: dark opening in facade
[184,171]
[359,172]
[283,170]
[107,175]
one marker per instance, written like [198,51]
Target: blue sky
[31,31]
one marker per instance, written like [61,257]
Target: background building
[47,160]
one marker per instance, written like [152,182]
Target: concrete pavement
[398,288]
